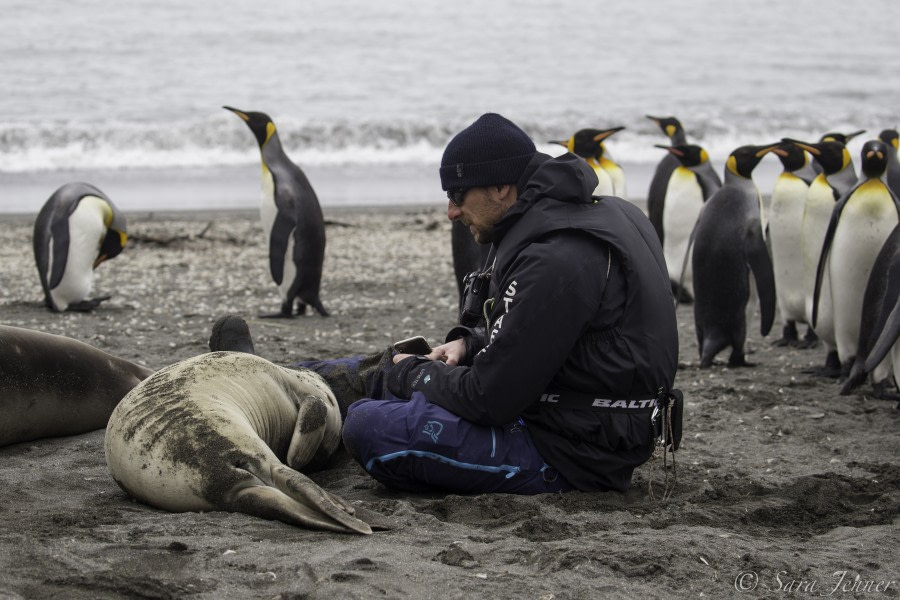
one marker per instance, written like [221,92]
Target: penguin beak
[605,134]
[99,260]
[808,147]
[670,149]
[766,149]
[558,142]
[850,136]
[239,113]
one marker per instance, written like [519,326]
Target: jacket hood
[566,179]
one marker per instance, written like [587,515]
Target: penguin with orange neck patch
[76,230]
[588,144]
[729,246]
[292,220]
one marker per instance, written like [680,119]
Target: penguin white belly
[865,223]
[684,201]
[616,175]
[86,232]
[268,210]
[816,216]
[785,225]
[605,186]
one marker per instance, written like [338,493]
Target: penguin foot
[788,335]
[826,371]
[279,315]
[231,333]
[886,390]
[87,305]
[810,340]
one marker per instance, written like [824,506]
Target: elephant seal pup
[52,385]
[214,432]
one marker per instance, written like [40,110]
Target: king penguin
[891,138]
[690,185]
[588,144]
[292,220]
[77,229]
[729,244]
[860,224]
[785,224]
[879,327]
[836,179]
[659,184]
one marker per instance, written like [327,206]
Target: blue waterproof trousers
[418,446]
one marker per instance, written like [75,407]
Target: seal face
[214,432]
[52,385]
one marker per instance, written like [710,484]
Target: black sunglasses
[457,195]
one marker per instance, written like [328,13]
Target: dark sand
[782,485]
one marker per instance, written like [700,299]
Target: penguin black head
[840,137]
[588,143]
[890,136]
[259,123]
[792,156]
[116,236]
[669,125]
[874,158]
[689,155]
[743,160]
[832,155]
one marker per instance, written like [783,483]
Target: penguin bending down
[836,179]
[880,323]
[292,219]
[860,224]
[892,139]
[785,225]
[588,144]
[690,185]
[77,229]
[728,245]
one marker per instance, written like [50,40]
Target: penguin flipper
[764,275]
[59,233]
[823,258]
[886,340]
[888,322]
[279,237]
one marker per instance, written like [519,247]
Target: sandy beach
[782,488]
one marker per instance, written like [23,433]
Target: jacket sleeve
[547,298]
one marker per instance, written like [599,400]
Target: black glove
[403,374]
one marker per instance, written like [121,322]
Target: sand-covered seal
[230,431]
[52,385]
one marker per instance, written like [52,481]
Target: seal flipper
[296,499]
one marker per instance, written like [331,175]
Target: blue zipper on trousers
[508,469]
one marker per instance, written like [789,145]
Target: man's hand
[451,353]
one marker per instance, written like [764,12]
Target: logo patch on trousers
[433,430]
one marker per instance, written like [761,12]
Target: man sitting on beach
[553,390]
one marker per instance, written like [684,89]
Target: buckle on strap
[666,419]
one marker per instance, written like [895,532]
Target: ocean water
[365,94]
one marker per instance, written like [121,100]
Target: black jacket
[581,301]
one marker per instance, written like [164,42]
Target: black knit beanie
[490,151]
